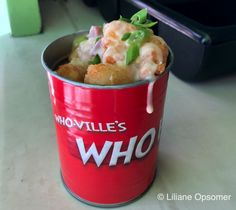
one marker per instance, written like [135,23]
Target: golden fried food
[70,72]
[108,74]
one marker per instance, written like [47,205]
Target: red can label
[138,147]
[108,138]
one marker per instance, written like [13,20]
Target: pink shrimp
[113,47]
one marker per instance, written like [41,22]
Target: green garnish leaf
[132,53]
[125,36]
[139,17]
[96,60]
[78,40]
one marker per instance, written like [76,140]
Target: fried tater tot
[108,74]
[70,72]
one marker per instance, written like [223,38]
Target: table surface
[198,143]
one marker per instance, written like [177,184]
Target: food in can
[121,52]
[108,110]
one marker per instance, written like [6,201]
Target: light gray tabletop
[198,144]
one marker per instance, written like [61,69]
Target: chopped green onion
[139,36]
[132,53]
[78,40]
[136,38]
[139,17]
[125,36]
[148,24]
[96,60]
[124,19]
[97,39]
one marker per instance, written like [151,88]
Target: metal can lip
[91,86]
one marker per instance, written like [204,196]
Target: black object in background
[202,34]
[110,10]
[90,3]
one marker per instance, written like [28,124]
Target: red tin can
[108,136]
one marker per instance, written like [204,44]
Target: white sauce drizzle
[149,107]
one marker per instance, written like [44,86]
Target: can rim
[93,86]
[114,205]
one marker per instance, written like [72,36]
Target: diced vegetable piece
[139,36]
[97,39]
[124,19]
[139,17]
[94,31]
[147,24]
[125,36]
[96,60]
[78,40]
[132,53]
